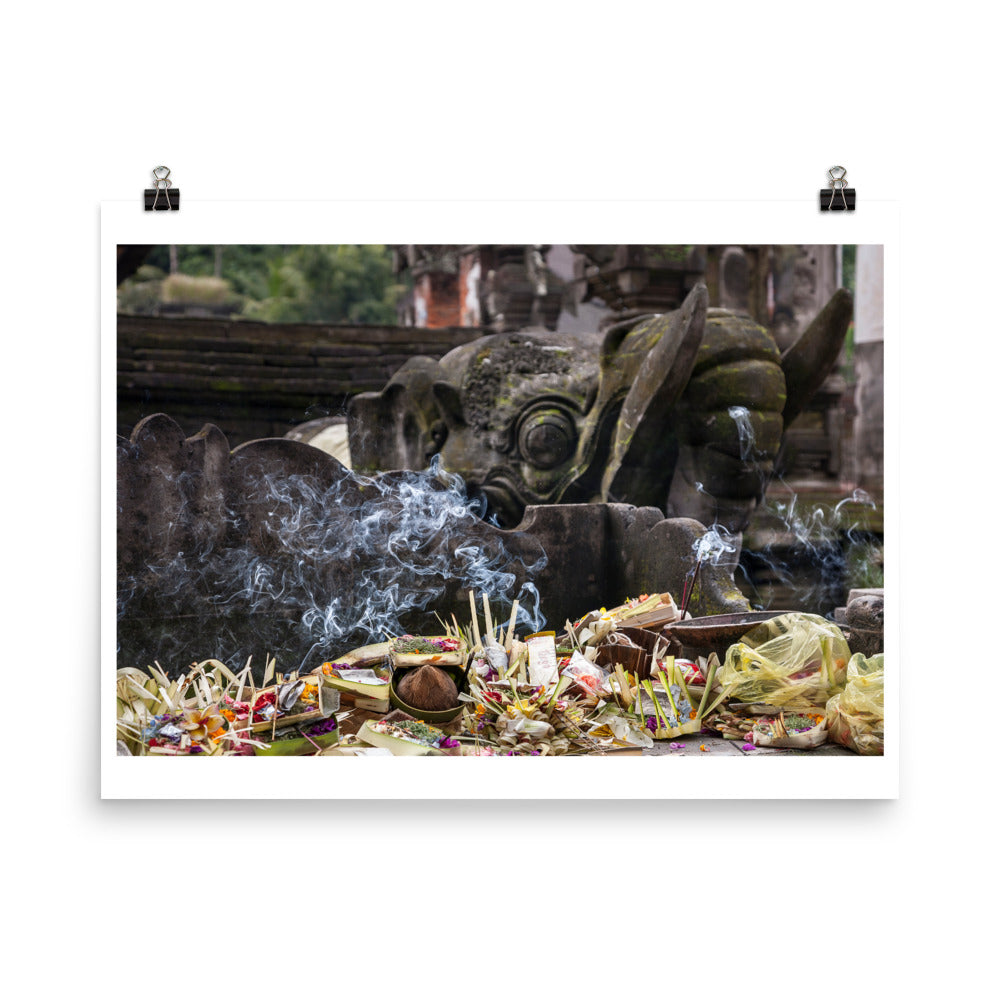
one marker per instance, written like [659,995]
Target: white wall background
[264,101]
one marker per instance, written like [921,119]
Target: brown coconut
[428,687]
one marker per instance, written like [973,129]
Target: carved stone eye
[546,437]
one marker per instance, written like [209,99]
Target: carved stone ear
[813,356]
[658,385]
[615,335]
[449,403]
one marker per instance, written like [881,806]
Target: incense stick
[302,732]
[689,583]
[465,676]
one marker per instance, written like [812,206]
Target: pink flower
[748,746]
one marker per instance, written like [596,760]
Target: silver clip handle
[838,181]
[161,182]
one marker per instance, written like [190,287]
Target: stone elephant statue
[683,411]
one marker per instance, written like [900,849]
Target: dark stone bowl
[718,630]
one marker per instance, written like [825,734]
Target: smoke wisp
[307,562]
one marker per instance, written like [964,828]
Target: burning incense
[464,682]
[689,582]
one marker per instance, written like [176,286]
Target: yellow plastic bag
[856,718]
[795,661]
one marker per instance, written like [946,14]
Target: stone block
[865,625]
[278,543]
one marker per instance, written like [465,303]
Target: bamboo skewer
[274,718]
[475,620]
[508,640]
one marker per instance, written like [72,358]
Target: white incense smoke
[348,562]
[812,550]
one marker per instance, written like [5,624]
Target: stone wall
[275,548]
[257,380]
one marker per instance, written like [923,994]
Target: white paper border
[497,221]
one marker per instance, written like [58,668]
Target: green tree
[281,284]
[850,263]
[329,284]
[245,267]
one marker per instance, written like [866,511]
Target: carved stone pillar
[804,279]
[869,366]
[518,290]
[634,279]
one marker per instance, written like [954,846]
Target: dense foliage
[276,284]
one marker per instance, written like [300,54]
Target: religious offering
[212,711]
[428,688]
[531,537]
[361,677]
[798,730]
[405,737]
[415,651]
[294,741]
[543,669]
[363,687]
[793,661]
[598,688]
[856,717]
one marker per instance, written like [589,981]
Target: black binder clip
[840,198]
[163,197]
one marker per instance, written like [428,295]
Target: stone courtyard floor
[681,746]
[716,745]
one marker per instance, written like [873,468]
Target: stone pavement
[690,745]
[716,745]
